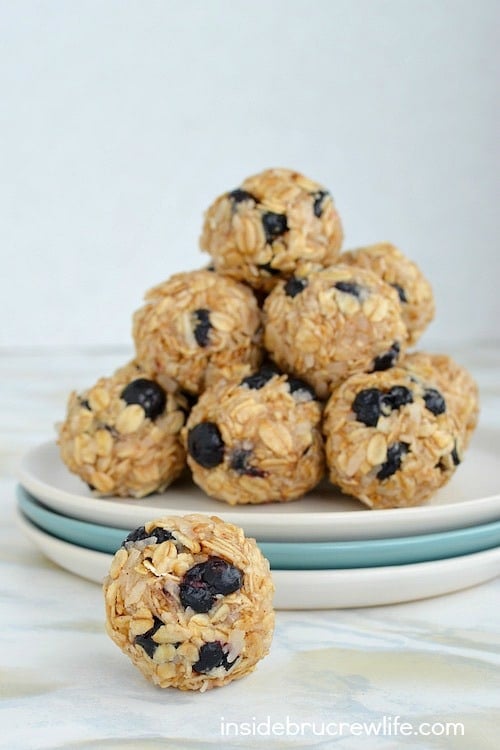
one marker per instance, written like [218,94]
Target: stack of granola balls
[283,359]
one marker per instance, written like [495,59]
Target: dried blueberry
[349,287]
[197,595]
[401,292]
[434,401]
[161,535]
[396,397]
[387,360]
[137,535]
[274,225]
[204,581]
[319,197]
[211,656]
[259,378]
[202,327]
[145,640]
[221,576]
[455,457]
[205,444]
[240,462]
[301,391]
[395,454]
[295,286]
[147,394]
[239,195]
[367,406]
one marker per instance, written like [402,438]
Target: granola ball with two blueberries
[390,439]
[259,232]
[325,325]
[256,440]
[122,436]
[189,601]
[414,291]
[197,327]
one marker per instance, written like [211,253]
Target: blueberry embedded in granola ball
[387,359]
[212,655]
[269,425]
[197,327]
[259,379]
[275,225]
[202,327]
[193,611]
[203,582]
[238,196]
[383,444]
[275,221]
[147,394]
[205,444]
[140,535]
[339,324]
[295,286]
[367,406]
[434,401]
[395,454]
[122,436]
[319,197]
[413,289]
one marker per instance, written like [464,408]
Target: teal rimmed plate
[289,555]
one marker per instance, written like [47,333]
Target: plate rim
[373,521]
[352,545]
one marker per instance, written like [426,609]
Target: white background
[121,121]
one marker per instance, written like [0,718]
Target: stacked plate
[325,550]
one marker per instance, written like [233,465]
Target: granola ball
[257,440]
[326,325]
[197,327]
[414,291]
[122,436]
[263,229]
[457,384]
[390,440]
[189,601]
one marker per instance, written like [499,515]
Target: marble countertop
[64,684]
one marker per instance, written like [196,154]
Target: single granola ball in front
[257,440]
[122,436]
[197,327]
[189,601]
[390,440]
[414,291]
[326,325]
[456,383]
[274,221]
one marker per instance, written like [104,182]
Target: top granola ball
[196,328]
[274,221]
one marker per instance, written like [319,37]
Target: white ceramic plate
[314,589]
[472,497]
